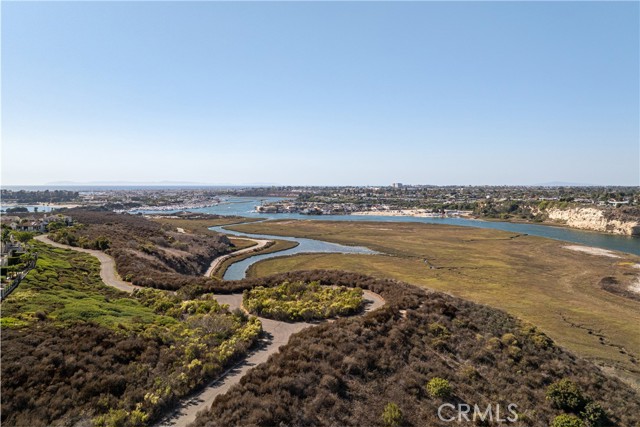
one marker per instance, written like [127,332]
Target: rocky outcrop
[594,219]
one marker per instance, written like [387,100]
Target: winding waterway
[245,206]
[237,270]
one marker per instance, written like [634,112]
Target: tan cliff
[594,219]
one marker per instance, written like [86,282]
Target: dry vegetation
[239,243]
[624,213]
[198,223]
[76,352]
[537,279]
[349,371]
[146,252]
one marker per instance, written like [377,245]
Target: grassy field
[65,287]
[277,246]
[533,278]
[201,225]
[239,243]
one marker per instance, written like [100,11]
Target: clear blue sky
[321,93]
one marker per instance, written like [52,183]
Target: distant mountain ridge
[159,183]
[568,184]
[151,183]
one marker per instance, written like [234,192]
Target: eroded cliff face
[594,219]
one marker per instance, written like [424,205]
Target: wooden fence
[14,284]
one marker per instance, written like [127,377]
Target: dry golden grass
[240,244]
[533,278]
[200,226]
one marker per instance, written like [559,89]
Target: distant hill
[566,184]
[118,183]
[149,184]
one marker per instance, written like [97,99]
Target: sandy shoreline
[421,213]
[592,251]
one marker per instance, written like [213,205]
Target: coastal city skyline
[321,93]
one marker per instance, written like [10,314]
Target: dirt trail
[276,334]
[216,262]
[108,272]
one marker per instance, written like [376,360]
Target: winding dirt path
[108,272]
[216,262]
[276,334]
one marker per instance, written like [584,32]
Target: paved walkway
[276,334]
[108,272]
[216,262]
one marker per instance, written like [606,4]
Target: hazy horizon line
[191,184]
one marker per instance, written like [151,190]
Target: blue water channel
[245,207]
[237,270]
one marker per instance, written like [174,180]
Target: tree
[565,394]
[6,235]
[439,387]
[102,243]
[26,257]
[17,209]
[55,225]
[23,236]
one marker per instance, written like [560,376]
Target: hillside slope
[146,253]
[345,373]
[623,221]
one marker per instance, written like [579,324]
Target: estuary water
[245,206]
[237,270]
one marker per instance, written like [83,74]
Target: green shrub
[303,301]
[509,339]
[438,387]
[115,418]
[392,415]
[23,236]
[541,341]
[64,310]
[593,415]
[438,330]
[494,344]
[565,394]
[469,372]
[514,352]
[102,243]
[148,248]
[566,420]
